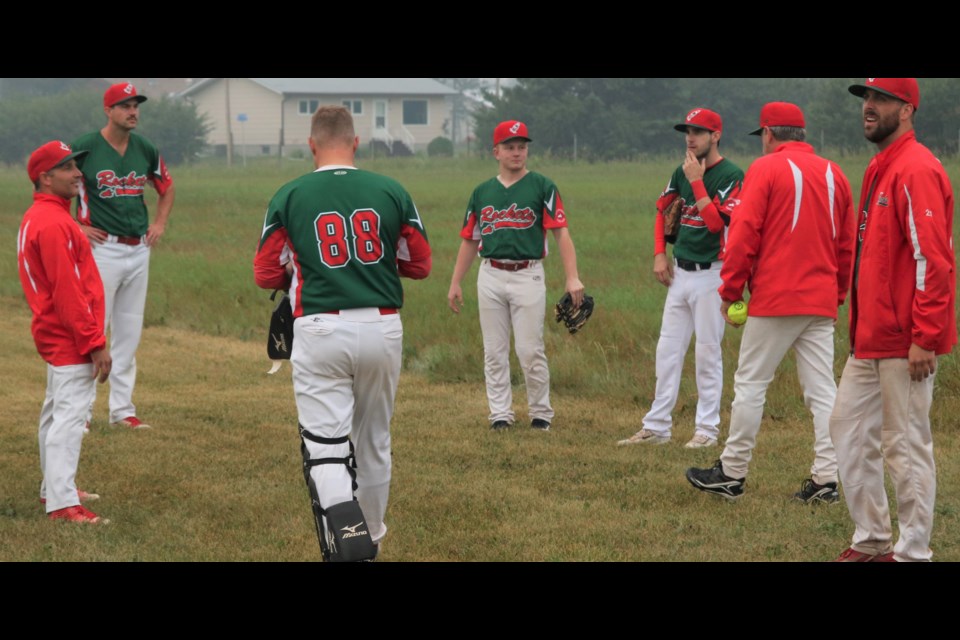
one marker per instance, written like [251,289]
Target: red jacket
[61,283]
[906,278]
[791,236]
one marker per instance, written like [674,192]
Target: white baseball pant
[346,369]
[882,415]
[62,418]
[124,270]
[692,306]
[517,300]
[764,344]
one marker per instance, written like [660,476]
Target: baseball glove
[671,220]
[280,338]
[574,319]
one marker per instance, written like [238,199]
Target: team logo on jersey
[510,218]
[690,216]
[882,200]
[111,185]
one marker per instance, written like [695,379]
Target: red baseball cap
[49,157]
[701,119]
[121,93]
[509,130]
[905,89]
[780,114]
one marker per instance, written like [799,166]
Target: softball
[737,312]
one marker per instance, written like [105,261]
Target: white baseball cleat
[132,422]
[644,436]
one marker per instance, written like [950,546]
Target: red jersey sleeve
[160,178]
[78,305]
[269,264]
[926,199]
[413,253]
[743,241]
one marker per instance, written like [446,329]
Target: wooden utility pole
[226,92]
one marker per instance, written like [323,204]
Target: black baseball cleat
[811,492]
[499,425]
[542,425]
[714,480]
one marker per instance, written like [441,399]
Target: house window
[308,107]
[414,112]
[354,106]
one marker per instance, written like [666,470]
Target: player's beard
[885,126]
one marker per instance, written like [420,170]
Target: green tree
[28,122]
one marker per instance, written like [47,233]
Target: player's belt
[510,266]
[383,311]
[129,240]
[688,265]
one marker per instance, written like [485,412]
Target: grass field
[218,478]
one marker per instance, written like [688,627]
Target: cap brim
[682,128]
[515,138]
[76,155]
[756,133]
[139,99]
[859,89]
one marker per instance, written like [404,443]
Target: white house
[272,115]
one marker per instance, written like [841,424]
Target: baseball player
[705,186]
[791,240]
[506,223]
[902,316]
[340,238]
[63,288]
[113,215]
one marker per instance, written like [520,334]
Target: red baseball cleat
[77,513]
[852,555]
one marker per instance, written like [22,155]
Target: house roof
[343,86]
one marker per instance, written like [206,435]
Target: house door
[380,116]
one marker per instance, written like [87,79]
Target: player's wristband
[699,191]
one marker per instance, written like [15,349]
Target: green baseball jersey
[695,242]
[511,222]
[111,194]
[345,230]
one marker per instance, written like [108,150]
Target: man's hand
[94,235]
[694,169]
[154,233]
[102,363]
[455,298]
[922,363]
[724,306]
[663,269]
[575,289]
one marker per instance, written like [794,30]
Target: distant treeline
[624,118]
[28,118]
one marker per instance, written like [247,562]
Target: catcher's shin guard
[341,528]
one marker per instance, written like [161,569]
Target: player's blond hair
[332,125]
